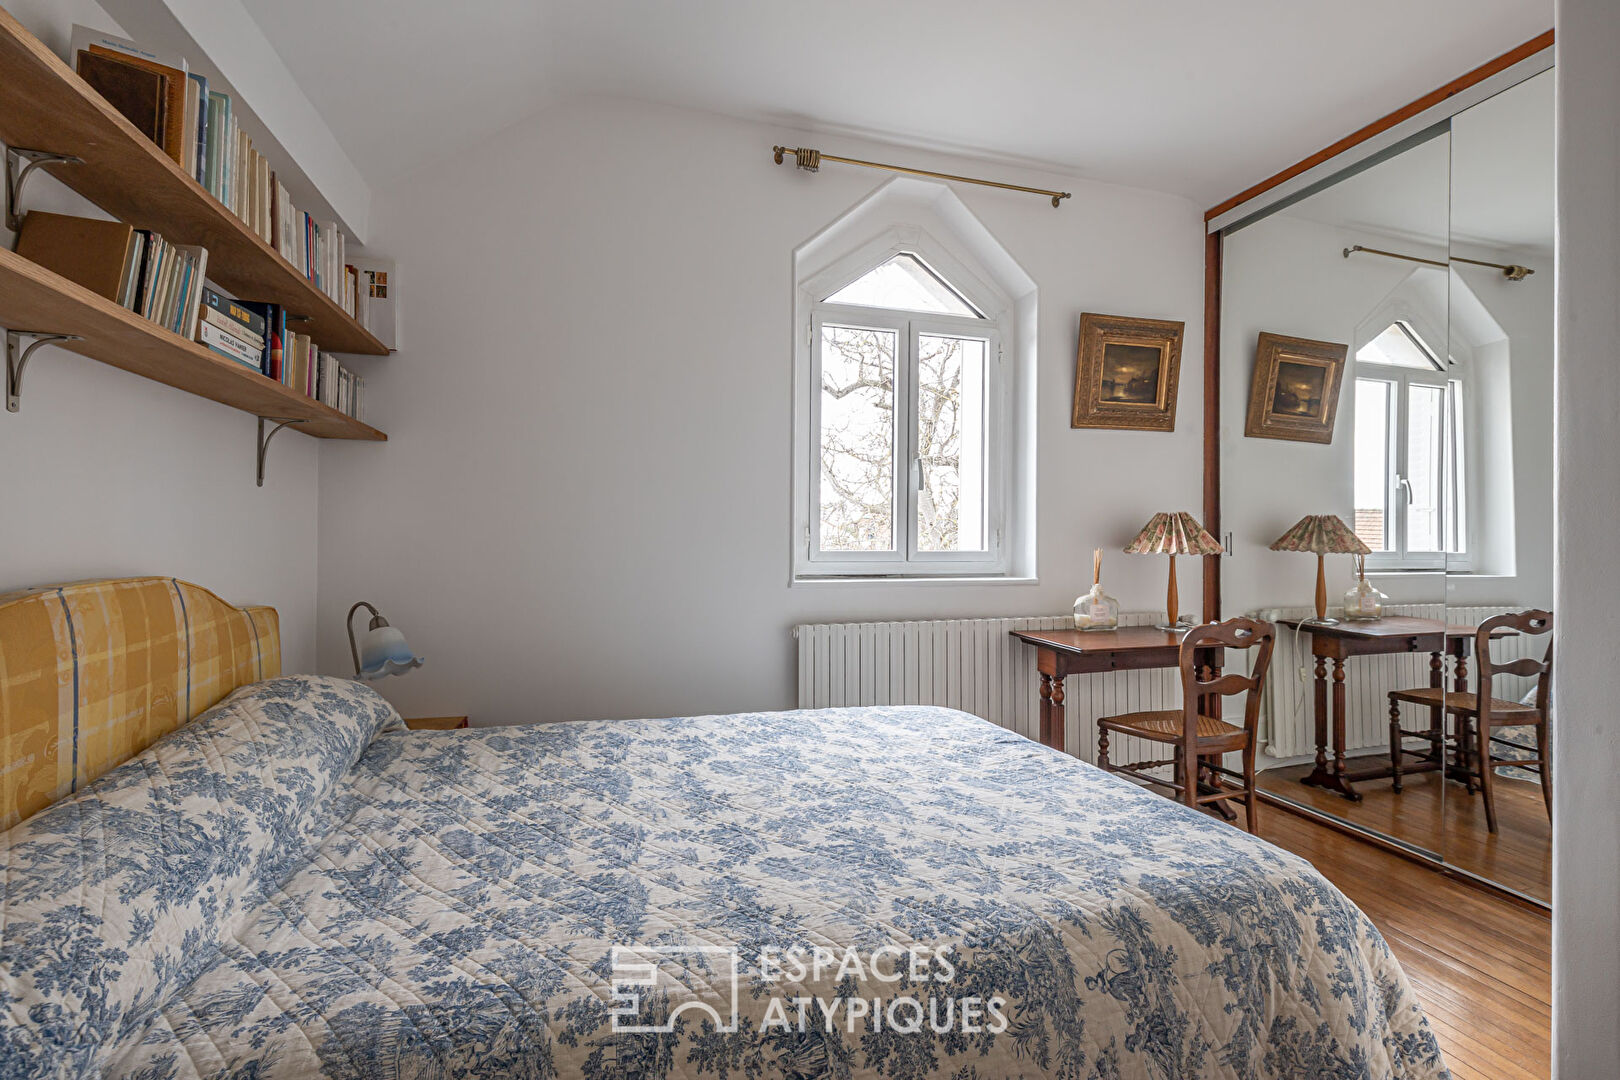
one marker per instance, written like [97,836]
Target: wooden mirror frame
[1212,276]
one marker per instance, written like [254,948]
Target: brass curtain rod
[810,161]
[1511,271]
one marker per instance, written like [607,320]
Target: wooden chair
[1196,731]
[1478,715]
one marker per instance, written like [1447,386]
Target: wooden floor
[1481,965]
[1518,856]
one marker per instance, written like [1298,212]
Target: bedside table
[436,723]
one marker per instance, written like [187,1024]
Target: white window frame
[905,561]
[1454,498]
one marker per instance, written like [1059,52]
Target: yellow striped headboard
[93,673]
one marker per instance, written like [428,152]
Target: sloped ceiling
[1186,96]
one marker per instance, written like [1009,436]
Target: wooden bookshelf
[34,298]
[44,105]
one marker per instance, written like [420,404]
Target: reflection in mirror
[1497,819]
[1313,272]
[1424,490]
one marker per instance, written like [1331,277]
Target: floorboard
[1479,964]
[1518,855]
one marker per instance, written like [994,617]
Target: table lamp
[1172,535]
[382,651]
[1321,535]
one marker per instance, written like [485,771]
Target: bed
[292,884]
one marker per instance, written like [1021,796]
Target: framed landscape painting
[1126,373]
[1295,393]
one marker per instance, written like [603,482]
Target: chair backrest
[1239,633]
[1534,621]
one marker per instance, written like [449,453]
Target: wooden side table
[1060,653]
[437,723]
[1342,641]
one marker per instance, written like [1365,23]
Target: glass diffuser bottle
[1363,602]
[1096,610]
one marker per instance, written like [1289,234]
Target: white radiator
[977,666]
[1288,726]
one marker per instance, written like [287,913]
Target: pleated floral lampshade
[1320,535]
[1173,534]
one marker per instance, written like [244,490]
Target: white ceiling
[1489,183]
[1187,96]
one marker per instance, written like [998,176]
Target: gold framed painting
[1126,373]
[1295,392]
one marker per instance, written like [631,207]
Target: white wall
[584,506]
[109,474]
[1586,748]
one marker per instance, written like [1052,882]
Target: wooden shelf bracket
[16,361]
[264,440]
[19,163]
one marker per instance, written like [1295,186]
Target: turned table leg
[1046,709]
[1052,710]
[1056,739]
[1330,775]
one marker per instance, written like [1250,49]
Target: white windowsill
[908,581]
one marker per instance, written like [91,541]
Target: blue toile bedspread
[293,886]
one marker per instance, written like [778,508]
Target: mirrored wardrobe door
[1334,321]
[1497,483]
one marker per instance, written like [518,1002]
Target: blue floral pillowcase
[117,896]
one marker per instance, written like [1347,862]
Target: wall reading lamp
[382,651]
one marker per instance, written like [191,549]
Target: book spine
[154,276]
[200,151]
[177,318]
[227,345]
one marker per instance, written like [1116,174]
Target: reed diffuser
[1096,610]
[1363,603]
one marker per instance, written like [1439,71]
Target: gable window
[1410,500]
[907,419]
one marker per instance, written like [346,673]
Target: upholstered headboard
[95,672]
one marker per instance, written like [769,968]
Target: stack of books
[256,334]
[198,128]
[233,330]
[135,268]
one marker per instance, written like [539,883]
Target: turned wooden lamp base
[1322,618]
[1172,605]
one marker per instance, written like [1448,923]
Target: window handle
[1405,485]
[916,474]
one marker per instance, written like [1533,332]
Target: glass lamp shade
[383,652]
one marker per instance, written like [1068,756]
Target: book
[132,276]
[174,85]
[219,110]
[140,95]
[227,308]
[379,285]
[235,329]
[188,151]
[96,254]
[197,119]
[227,345]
